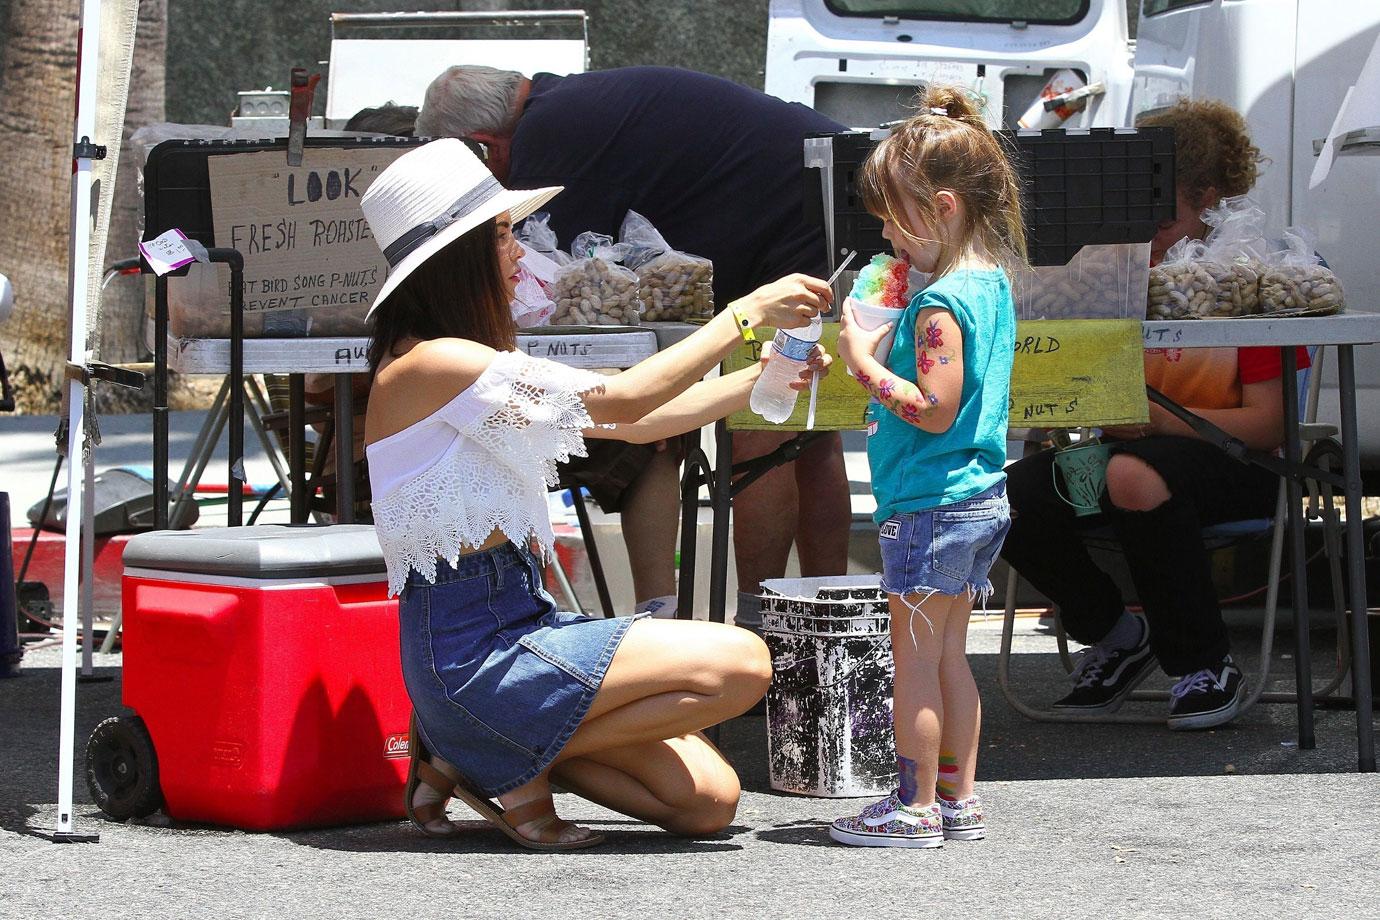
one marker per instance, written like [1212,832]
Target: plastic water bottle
[772,396]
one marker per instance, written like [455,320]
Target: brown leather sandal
[509,821]
[420,770]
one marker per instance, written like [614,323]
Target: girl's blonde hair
[946,146]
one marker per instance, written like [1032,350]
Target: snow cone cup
[870,316]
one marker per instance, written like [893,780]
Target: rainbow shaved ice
[883,282]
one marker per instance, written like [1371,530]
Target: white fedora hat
[431,196]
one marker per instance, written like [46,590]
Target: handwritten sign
[166,252]
[1078,373]
[577,346]
[305,242]
[1068,374]
[842,402]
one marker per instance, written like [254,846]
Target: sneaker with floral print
[889,823]
[962,817]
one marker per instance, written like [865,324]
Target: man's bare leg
[650,517]
[764,521]
[824,521]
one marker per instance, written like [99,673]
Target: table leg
[721,498]
[297,447]
[1355,562]
[344,449]
[696,471]
[1303,670]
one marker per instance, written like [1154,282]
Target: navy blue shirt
[715,166]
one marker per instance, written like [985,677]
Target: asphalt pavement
[1093,821]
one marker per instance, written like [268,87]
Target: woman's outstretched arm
[705,402]
[627,397]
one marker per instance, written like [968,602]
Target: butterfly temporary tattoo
[926,362]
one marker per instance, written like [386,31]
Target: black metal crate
[1080,187]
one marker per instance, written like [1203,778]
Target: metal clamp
[85,150]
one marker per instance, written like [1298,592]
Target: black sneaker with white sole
[1208,697]
[1105,677]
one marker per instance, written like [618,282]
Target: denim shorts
[498,677]
[945,550]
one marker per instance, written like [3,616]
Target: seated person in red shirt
[1164,484]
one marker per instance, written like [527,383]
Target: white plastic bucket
[829,728]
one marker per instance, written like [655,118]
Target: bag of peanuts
[592,289]
[1217,276]
[674,286]
[1294,279]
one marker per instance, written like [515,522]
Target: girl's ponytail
[946,145]
[950,102]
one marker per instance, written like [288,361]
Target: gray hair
[470,98]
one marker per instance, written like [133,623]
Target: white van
[1285,64]
[859,61]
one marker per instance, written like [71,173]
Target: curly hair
[947,145]
[1212,146]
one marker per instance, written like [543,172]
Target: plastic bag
[1294,279]
[532,304]
[1217,276]
[535,234]
[592,289]
[674,286]
[1102,281]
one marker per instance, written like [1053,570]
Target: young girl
[949,202]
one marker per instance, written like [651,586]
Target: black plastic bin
[1080,187]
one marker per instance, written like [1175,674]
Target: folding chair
[1318,444]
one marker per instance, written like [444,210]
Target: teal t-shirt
[913,469]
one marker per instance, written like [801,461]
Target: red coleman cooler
[262,667]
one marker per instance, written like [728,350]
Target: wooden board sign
[1077,373]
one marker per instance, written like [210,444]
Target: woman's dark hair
[457,293]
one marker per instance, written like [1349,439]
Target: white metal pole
[88,44]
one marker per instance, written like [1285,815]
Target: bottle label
[791,347]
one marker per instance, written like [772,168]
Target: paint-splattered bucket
[829,704]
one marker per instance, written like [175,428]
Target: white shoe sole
[1210,719]
[885,840]
[970,833]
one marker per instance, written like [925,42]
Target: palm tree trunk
[37,99]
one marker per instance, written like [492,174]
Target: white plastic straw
[814,377]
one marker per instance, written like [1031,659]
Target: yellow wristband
[744,327]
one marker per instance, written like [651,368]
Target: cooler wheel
[122,768]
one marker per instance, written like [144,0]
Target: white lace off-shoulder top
[481,462]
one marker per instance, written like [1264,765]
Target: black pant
[1164,548]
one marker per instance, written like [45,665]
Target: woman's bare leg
[683,785]
[668,680]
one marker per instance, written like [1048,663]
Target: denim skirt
[498,677]
[949,549]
